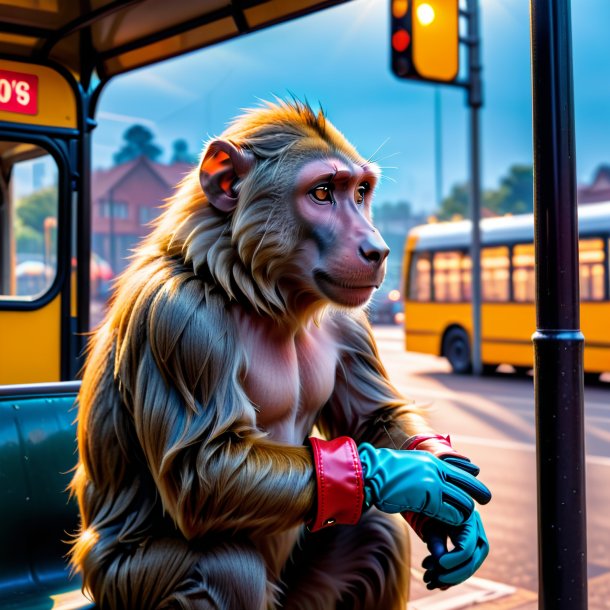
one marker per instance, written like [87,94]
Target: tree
[516,192]
[456,203]
[182,153]
[138,142]
[31,212]
[513,196]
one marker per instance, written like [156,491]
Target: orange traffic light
[425,39]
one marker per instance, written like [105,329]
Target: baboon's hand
[398,481]
[446,568]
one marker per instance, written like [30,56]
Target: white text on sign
[18,92]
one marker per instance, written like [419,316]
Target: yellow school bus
[437,290]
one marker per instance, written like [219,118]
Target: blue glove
[397,481]
[462,463]
[445,568]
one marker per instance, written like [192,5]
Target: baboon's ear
[222,164]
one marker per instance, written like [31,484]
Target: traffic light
[425,39]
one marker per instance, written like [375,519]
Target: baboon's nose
[374,249]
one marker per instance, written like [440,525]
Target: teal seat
[37,517]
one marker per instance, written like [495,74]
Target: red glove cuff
[435,444]
[439,446]
[340,482]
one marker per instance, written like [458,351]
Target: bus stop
[68,55]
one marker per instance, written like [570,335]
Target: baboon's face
[343,256]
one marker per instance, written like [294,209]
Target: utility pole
[426,47]
[438,145]
[475,102]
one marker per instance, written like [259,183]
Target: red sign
[18,92]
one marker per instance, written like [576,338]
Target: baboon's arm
[215,472]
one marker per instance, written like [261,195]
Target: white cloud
[124,118]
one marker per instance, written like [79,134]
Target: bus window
[523,273]
[592,281]
[28,221]
[495,274]
[466,277]
[420,287]
[447,276]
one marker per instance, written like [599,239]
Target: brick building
[125,198]
[598,190]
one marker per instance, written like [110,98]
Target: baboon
[237,329]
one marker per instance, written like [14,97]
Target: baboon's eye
[322,194]
[361,191]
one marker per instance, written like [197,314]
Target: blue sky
[340,58]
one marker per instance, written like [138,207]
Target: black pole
[83,239]
[475,102]
[558,342]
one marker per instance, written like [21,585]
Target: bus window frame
[412,277]
[604,238]
[462,252]
[512,246]
[509,249]
[52,146]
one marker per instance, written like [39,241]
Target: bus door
[39,182]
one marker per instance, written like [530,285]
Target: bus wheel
[456,348]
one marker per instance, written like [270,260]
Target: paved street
[491,419]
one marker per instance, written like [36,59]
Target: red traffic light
[400,40]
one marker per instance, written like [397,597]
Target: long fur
[176,484]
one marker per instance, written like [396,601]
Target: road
[491,419]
